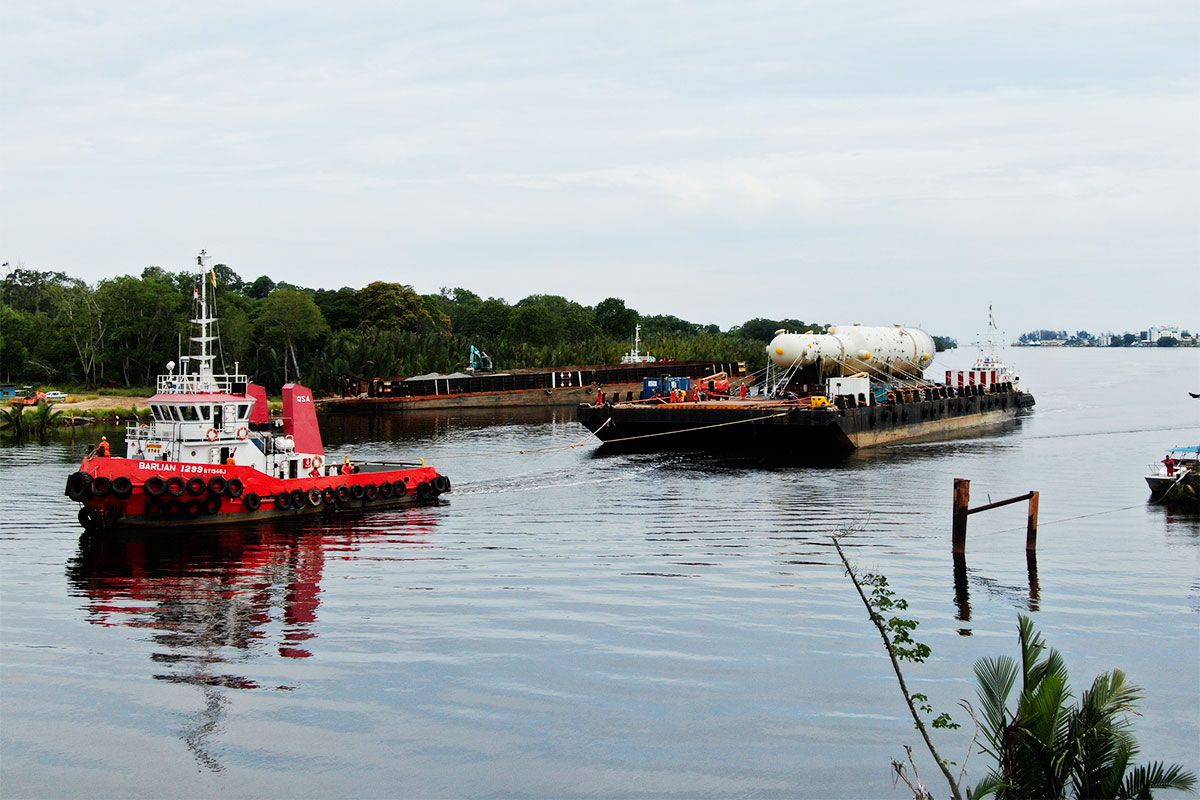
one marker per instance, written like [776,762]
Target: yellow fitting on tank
[778,351]
[867,357]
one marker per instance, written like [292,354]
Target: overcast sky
[890,162]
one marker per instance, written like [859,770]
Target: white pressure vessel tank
[849,349]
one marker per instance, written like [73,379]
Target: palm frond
[1156,775]
[996,678]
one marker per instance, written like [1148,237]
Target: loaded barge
[824,395]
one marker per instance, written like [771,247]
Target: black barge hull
[757,426]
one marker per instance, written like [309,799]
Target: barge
[828,395]
[561,386]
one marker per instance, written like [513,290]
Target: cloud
[717,161]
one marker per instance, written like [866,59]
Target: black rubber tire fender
[197,486]
[193,508]
[424,490]
[101,486]
[328,496]
[122,486]
[79,486]
[313,497]
[385,490]
[234,488]
[217,485]
[399,488]
[370,491]
[441,483]
[298,498]
[212,505]
[155,486]
[283,501]
[172,508]
[175,486]
[343,493]
[154,508]
[251,501]
[357,491]
[91,518]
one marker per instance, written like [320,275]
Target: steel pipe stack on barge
[832,394]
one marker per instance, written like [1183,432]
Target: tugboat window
[190,414]
[175,413]
[206,412]
[243,411]
[157,412]
[217,418]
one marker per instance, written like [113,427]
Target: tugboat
[213,455]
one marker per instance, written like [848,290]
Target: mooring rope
[1068,519]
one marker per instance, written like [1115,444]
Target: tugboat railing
[199,384]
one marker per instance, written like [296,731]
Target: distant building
[1155,333]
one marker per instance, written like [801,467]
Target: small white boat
[1178,462]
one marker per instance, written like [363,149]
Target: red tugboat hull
[126,492]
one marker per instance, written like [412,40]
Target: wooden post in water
[962,498]
[1031,523]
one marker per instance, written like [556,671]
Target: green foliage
[944,343]
[395,306]
[882,602]
[20,421]
[1045,747]
[614,319]
[1167,341]
[56,329]
[12,421]
[763,330]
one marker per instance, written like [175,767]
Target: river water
[569,624]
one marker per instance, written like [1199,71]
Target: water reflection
[435,424]
[962,592]
[222,598]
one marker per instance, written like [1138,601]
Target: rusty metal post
[1031,525]
[962,498]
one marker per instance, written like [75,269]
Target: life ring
[211,434]
[318,462]
[242,433]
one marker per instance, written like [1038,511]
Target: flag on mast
[213,275]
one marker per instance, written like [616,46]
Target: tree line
[122,331]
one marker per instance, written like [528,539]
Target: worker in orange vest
[104,450]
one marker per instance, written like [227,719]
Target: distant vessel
[1173,470]
[634,356]
[824,394]
[213,455]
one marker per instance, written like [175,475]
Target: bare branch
[877,621]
